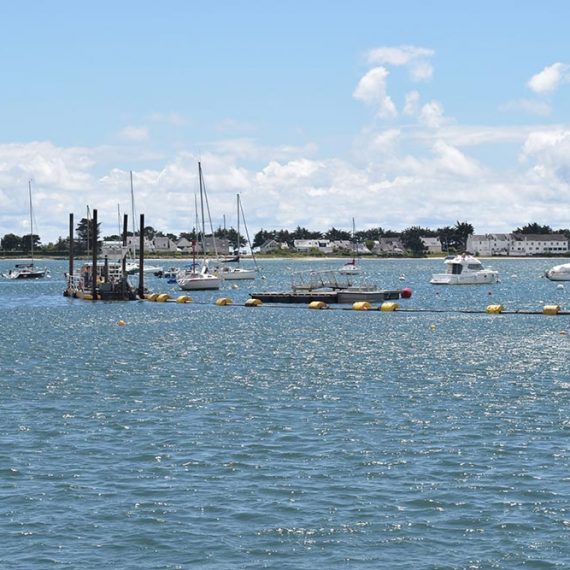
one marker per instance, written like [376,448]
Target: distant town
[530,240]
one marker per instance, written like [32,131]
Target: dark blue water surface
[200,436]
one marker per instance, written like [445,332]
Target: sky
[316,112]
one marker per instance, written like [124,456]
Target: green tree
[462,231]
[534,228]
[85,235]
[11,242]
[30,239]
[337,235]
[411,238]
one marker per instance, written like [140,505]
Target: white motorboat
[558,272]
[464,270]
[234,273]
[133,268]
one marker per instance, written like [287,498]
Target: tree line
[452,238]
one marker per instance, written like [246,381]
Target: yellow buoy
[223,301]
[88,297]
[361,306]
[494,309]
[253,303]
[183,299]
[162,297]
[121,323]
[318,305]
[551,309]
[151,296]
[389,306]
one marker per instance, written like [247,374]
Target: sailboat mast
[354,246]
[237,236]
[31,220]
[202,209]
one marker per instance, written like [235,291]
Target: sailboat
[132,267]
[28,270]
[351,267]
[197,275]
[231,272]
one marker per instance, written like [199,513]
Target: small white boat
[234,273]
[226,268]
[26,271]
[195,277]
[350,268]
[558,272]
[133,268]
[465,270]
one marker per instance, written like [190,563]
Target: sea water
[200,436]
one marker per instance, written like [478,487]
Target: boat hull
[238,274]
[199,283]
[559,273]
[480,278]
[329,297]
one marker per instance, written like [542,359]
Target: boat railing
[313,280]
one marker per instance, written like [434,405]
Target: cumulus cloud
[371,89]
[550,78]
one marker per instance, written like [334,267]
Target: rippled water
[231,437]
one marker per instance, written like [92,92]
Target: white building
[432,244]
[517,244]
[490,244]
[306,245]
[537,244]
[163,243]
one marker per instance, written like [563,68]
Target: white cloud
[451,160]
[431,115]
[134,134]
[533,107]
[411,105]
[416,58]
[549,79]
[371,89]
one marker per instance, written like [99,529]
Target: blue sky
[396,114]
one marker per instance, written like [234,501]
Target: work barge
[331,288]
[104,279]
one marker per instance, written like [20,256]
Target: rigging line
[247,234]
[210,218]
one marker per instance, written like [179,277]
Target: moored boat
[558,272]
[28,270]
[464,269]
[330,287]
